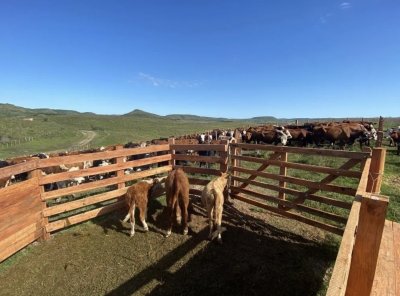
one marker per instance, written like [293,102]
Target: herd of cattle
[310,134]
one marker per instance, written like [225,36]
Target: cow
[137,195]
[395,136]
[212,198]
[177,195]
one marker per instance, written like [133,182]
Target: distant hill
[141,113]
[8,110]
[195,117]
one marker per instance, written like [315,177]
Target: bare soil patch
[262,254]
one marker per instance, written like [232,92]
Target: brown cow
[212,198]
[177,193]
[395,136]
[137,195]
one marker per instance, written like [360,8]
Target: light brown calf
[137,196]
[212,198]
[177,193]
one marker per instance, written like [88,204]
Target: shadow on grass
[255,259]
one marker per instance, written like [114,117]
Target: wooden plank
[70,159]
[309,151]
[53,226]
[17,169]
[18,245]
[290,215]
[288,205]
[194,158]
[102,170]
[318,198]
[73,205]
[283,172]
[273,156]
[195,191]
[194,170]
[199,147]
[197,181]
[13,194]
[366,248]
[396,247]
[301,166]
[384,280]
[18,235]
[103,183]
[16,224]
[340,273]
[310,184]
[362,185]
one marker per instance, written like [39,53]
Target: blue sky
[224,58]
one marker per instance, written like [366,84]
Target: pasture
[262,252]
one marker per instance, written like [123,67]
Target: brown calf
[213,200]
[137,195]
[177,193]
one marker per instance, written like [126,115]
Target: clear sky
[222,58]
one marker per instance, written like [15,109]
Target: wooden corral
[274,178]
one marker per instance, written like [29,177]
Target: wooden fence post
[376,170]
[223,167]
[172,162]
[120,173]
[380,133]
[366,248]
[282,172]
[37,173]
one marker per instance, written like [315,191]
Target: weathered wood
[53,226]
[362,185]
[366,247]
[288,205]
[197,181]
[330,228]
[19,234]
[261,168]
[396,247]
[282,172]
[195,191]
[104,169]
[310,184]
[19,244]
[16,224]
[376,170]
[70,159]
[301,166]
[171,142]
[340,273]
[17,169]
[104,183]
[193,158]
[309,151]
[194,170]
[199,147]
[385,274]
[73,205]
[314,197]
[121,172]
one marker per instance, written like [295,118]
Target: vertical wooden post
[171,141]
[282,172]
[380,133]
[37,174]
[120,173]
[223,166]
[366,248]
[233,151]
[376,170]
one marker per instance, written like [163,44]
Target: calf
[212,198]
[177,193]
[137,195]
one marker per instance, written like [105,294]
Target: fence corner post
[171,141]
[376,170]
[367,243]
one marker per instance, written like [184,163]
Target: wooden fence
[323,188]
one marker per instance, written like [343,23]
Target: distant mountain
[264,119]
[195,117]
[141,113]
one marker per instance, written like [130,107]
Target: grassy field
[262,252]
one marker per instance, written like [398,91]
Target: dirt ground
[262,254]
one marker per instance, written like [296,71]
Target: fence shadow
[258,259]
